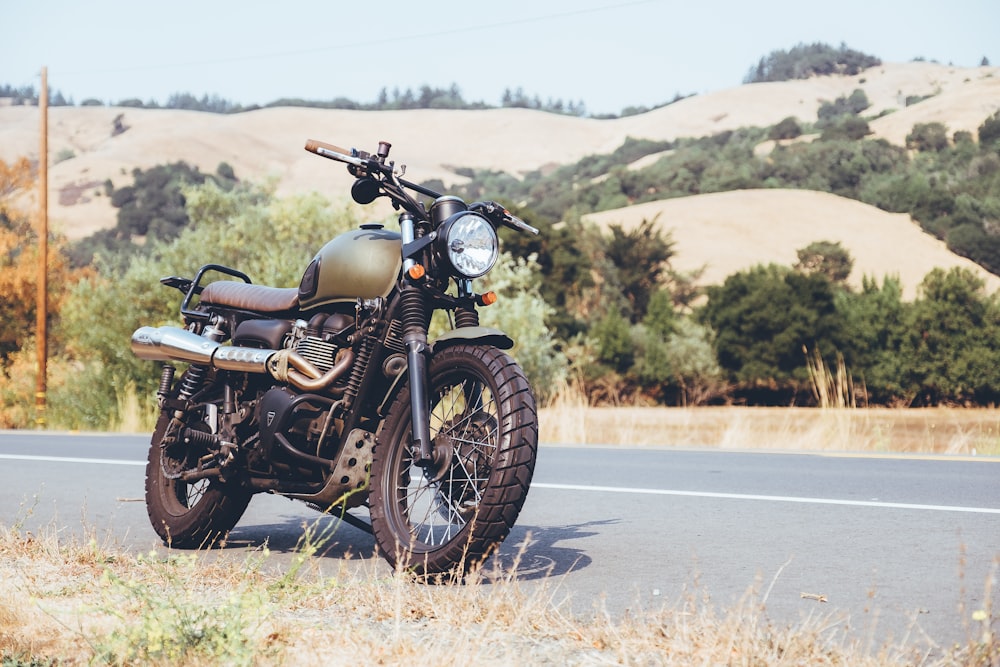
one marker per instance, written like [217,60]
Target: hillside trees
[153,206]
[928,137]
[951,189]
[805,60]
[844,105]
[788,128]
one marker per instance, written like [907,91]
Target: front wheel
[450,516]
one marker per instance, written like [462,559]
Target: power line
[370,42]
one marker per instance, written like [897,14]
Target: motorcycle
[332,394]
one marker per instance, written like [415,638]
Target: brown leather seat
[256,298]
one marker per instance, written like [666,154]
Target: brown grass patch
[82,603]
[932,430]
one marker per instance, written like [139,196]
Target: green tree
[851,128]
[523,314]
[614,342]
[989,133]
[697,376]
[829,258]
[851,105]
[641,258]
[875,322]
[765,317]
[928,137]
[788,128]
[652,362]
[952,344]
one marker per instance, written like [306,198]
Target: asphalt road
[899,549]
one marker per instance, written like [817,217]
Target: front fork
[416,358]
[417,354]
[415,322]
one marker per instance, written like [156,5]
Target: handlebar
[333,152]
[351,156]
[501,216]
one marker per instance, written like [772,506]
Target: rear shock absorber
[196,374]
[166,381]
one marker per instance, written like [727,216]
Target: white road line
[780,499]
[71,459]
[614,489]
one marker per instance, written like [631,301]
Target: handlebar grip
[313,146]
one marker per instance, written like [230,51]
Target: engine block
[318,352]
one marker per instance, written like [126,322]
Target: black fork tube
[419,408]
[415,338]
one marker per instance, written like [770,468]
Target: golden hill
[268,144]
[726,232]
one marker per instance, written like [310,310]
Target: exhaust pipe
[173,344]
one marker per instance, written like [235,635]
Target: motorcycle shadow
[535,552]
[324,536]
[529,553]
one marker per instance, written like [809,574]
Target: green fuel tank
[362,263]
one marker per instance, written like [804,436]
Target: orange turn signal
[487,299]
[416,272]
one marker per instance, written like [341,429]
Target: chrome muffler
[174,344]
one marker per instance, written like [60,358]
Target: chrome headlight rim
[469,243]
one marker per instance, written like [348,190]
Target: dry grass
[956,431]
[80,603]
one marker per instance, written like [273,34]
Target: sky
[608,55]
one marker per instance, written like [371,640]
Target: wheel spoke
[465,412]
[426,516]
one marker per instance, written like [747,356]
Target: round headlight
[470,243]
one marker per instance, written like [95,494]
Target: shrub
[271,240]
[927,137]
[788,128]
[828,258]
[989,133]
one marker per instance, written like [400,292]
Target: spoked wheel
[187,514]
[450,515]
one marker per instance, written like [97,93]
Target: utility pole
[42,305]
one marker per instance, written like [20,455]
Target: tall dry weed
[832,389]
[134,414]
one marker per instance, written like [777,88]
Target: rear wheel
[187,514]
[453,514]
